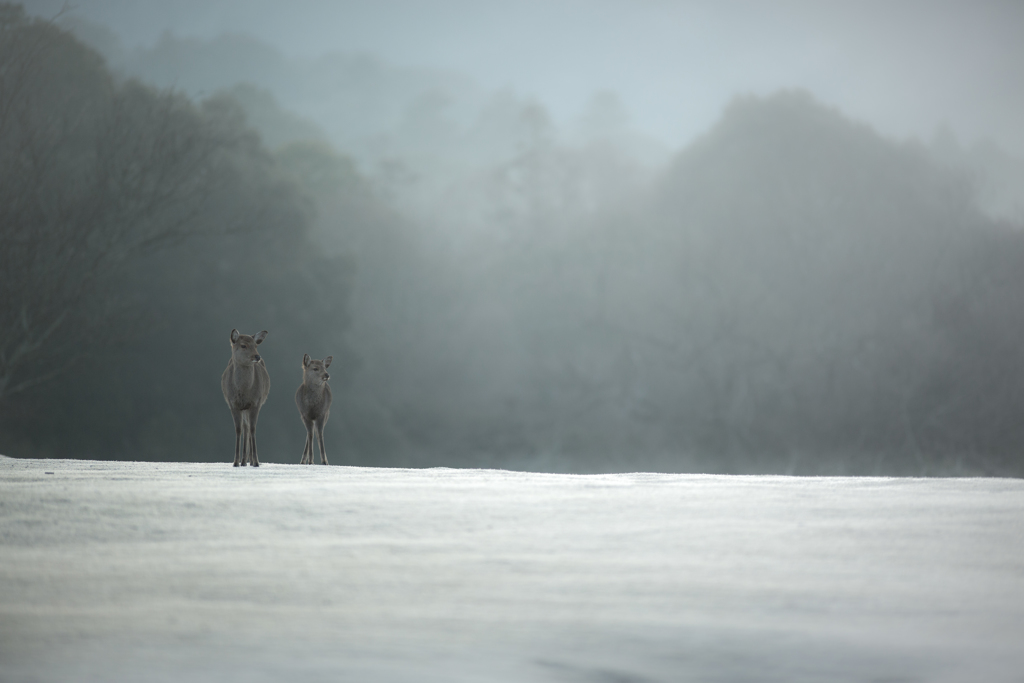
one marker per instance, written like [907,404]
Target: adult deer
[313,398]
[246,385]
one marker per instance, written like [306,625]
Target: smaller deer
[313,398]
[246,385]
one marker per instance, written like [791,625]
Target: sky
[906,67]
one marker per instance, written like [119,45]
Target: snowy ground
[195,572]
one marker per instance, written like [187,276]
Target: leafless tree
[92,174]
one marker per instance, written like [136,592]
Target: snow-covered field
[114,571]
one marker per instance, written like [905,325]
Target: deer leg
[320,435]
[246,452]
[247,460]
[254,416]
[310,440]
[307,450]
[237,417]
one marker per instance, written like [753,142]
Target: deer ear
[234,336]
[305,360]
[260,337]
[327,361]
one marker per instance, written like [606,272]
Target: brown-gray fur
[313,399]
[246,385]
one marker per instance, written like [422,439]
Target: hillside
[776,301]
[791,293]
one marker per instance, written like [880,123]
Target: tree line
[794,293]
[137,227]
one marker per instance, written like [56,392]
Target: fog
[572,237]
[906,68]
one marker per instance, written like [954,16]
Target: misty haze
[536,240]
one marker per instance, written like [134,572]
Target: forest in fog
[791,292]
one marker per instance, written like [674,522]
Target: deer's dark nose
[326,377]
[256,358]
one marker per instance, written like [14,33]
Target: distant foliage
[137,229]
[791,293]
[794,294]
[92,174]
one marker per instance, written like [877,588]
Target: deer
[246,385]
[313,399]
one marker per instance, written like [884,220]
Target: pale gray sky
[905,67]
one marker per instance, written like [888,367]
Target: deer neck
[245,372]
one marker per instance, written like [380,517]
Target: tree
[137,228]
[93,173]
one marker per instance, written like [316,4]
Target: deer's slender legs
[307,450]
[246,452]
[237,417]
[319,424]
[254,416]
